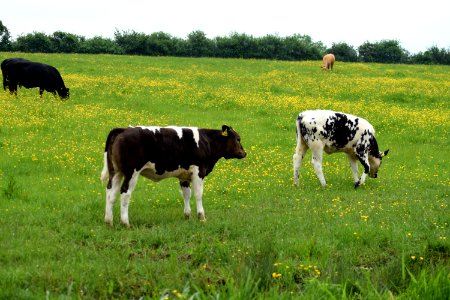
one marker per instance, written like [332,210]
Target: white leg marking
[125,199]
[317,163]
[362,179]
[354,167]
[197,186]
[365,159]
[111,195]
[186,192]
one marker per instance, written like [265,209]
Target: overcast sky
[416,24]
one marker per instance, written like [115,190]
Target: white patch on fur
[151,128]
[186,193]
[178,130]
[197,186]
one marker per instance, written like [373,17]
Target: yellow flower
[276,275]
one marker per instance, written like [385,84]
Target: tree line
[235,45]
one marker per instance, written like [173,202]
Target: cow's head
[375,162]
[63,93]
[233,147]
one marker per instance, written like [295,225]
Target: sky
[417,25]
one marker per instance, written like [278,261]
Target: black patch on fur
[340,130]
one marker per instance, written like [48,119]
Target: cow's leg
[186,192]
[317,156]
[112,190]
[197,185]
[353,167]
[12,88]
[129,183]
[41,91]
[299,154]
[364,160]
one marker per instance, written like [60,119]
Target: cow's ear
[225,130]
[382,154]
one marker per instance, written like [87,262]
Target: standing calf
[337,132]
[187,153]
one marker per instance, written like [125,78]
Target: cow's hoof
[187,216]
[127,225]
[109,222]
[201,217]
[357,184]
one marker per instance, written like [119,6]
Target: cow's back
[137,146]
[336,130]
[41,75]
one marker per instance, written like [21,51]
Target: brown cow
[328,62]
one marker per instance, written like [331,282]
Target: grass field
[264,238]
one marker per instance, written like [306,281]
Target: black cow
[22,72]
[5,72]
[187,153]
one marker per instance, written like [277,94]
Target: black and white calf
[337,132]
[187,153]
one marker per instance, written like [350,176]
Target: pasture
[264,238]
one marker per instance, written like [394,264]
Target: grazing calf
[22,72]
[337,132]
[328,62]
[187,153]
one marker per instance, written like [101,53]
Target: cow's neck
[216,144]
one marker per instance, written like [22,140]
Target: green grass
[264,238]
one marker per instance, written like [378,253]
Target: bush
[386,51]
[433,55]
[34,42]
[343,52]
[98,44]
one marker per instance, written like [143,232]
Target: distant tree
[270,47]
[235,45]
[160,44]
[5,38]
[367,52]
[386,51]
[97,45]
[199,45]
[34,42]
[302,47]
[343,52]
[433,55]
[131,42]
[63,42]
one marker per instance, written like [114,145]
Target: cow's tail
[107,163]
